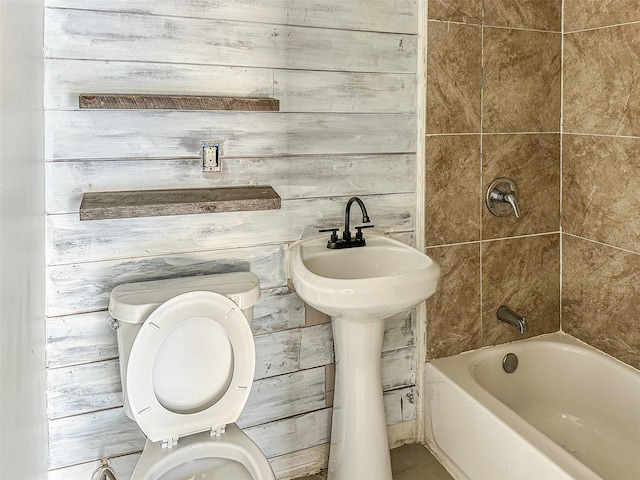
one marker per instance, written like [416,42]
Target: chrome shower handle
[502,198]
[512,200]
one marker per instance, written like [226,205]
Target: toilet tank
[132,303]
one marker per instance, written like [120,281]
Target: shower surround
[497,73]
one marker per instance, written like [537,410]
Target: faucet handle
[334,233]
[359,231]
[501,198]
[511,199]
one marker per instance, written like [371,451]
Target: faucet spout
[506,315]
[346,241]
[346,234]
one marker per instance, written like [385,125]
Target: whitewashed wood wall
[345,75]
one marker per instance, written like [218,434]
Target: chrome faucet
[347,241]
[502,198]
[506,315]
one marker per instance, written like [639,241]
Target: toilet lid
[191,366]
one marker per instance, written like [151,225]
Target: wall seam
[421,168]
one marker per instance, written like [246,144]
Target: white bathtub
[567,412]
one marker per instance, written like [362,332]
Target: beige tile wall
[493,109]
[580,15]
[601,176]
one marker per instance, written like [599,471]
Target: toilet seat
[234,447]
[171,346]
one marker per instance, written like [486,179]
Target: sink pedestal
[359,446]
[359,287]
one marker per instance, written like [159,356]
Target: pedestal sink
[359,288]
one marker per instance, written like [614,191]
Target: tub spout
[506,315]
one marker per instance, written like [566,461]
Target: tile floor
[409,462]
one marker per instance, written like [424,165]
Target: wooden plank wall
[345,75]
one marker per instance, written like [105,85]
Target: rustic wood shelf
[176,102]
[153,203]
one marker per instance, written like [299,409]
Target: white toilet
[187,360]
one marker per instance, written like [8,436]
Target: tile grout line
[482,78]
[602,27]
[586,239]
[482,24]
[499,239]
[461,134]
[561,266]
[603,135]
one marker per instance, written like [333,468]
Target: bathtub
[568,411]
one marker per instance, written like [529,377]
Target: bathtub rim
[500,412]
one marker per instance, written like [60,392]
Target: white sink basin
[377,280]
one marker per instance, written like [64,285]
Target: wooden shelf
[153,203]
[176,102]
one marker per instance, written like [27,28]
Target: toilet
[187,361]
